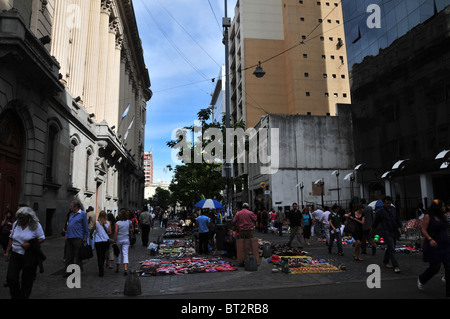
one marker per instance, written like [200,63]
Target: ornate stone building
[73,93]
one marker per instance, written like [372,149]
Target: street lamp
[350,177]
[259,72]
[360,167]
[444,155]
[301,191]
[400,165]
[336,172]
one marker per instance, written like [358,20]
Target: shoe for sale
[419,284]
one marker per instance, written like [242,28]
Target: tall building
[148,168]
[301,45]
[73,93]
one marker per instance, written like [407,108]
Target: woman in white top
[102,229]
[23,252]
[122,239]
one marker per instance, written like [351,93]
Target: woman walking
[102,229]
[436,247]
[122,239]
[358,219]
[24,253]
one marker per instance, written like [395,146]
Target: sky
[183,51]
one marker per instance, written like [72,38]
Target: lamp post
[226,23]
[336,172]
[360,167]
[301,186]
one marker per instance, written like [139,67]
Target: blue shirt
[203,221]
[77,227]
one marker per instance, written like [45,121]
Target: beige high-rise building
[301,45]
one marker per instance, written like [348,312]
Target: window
[308,93]
[305,55]
[51,153]
[306,75]
[89,159]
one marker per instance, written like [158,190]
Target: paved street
[241,284]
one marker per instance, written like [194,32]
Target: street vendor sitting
[230,244]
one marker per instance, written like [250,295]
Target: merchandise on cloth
[157,267]
[304,265]
[173,231]
[176,248]
[285,250]
[407,250]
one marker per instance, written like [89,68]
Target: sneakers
[419,284]
[397,270]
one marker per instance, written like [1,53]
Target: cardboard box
[243,247]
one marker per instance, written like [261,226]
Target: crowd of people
[111,237]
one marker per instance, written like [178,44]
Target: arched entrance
[11,140]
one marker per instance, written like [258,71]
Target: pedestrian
[295,221]
[318,224]
[102,230]
[164,219]
[265,221]
[279,221]
[244,221]
[204,224]
[436,248]
[77,234]
[122,240]
[23,253]
[389,219]
[367,239]
[326,224]
[6,225]
[112,225]
[307,224]
[230,245]
[358,218]
[90,214]
[145,221]
[335,223]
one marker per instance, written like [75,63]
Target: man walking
[335,223]
[295,220]
[390,222]
[145,220]
[204,224]
[77,233]
[244,220]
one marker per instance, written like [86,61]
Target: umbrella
[209,203]
[377,204]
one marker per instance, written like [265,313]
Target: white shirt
[324,218]
[21,236]
[100,234]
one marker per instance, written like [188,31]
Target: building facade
[73,93]
[148,168]
[301,45]
[371,25]
[401,115]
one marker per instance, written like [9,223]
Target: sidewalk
[51,284]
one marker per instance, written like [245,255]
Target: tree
[194,180]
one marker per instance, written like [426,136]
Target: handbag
[132,237]
[116,250]
[350,226]
[86,252]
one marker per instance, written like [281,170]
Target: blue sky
[182,41]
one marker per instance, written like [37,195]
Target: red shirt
[244,220]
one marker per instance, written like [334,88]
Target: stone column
[77,54]
[111,100]
[103,59]
[60,36]
[92,57]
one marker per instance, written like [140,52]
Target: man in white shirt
[326,223]
[318,225]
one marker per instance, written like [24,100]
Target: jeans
[19,288]
[73,251]
[432,270]
[295,230]
[337,235]
[145,228]
[203,240]
[389,254]
[101,249]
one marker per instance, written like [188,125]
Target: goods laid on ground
[303,265]
[173,231]
[176,248]
[158,267]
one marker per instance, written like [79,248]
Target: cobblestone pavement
[51,284]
